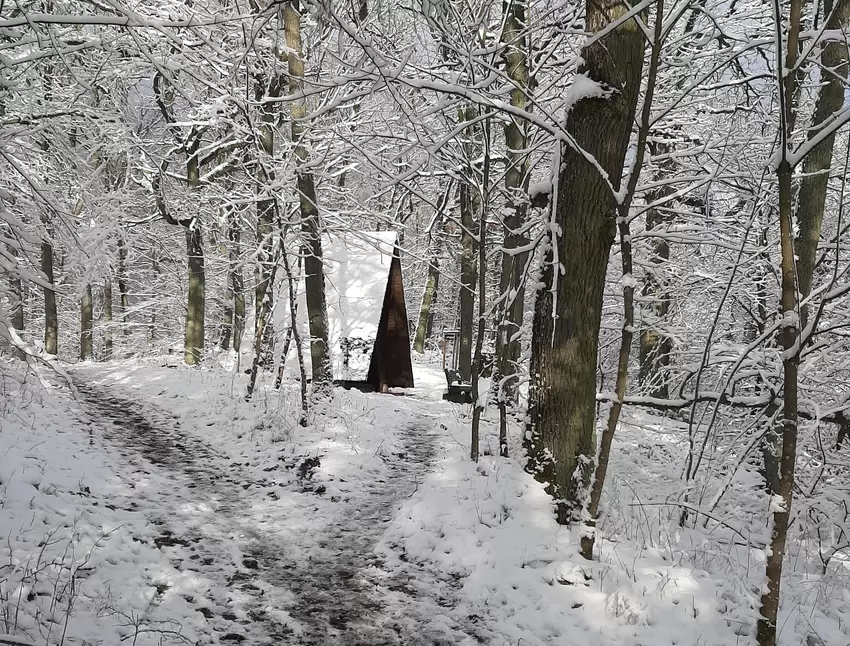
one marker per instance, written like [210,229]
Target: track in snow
[333,595]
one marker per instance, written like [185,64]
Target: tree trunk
[193,345]
[196,302]
[812,195]
[314,278]
[263,315]
[655,346]
[478,364]
[86,324]
[782,499]
[514,259]
[423,328]
[17,304]
[123,293]
[763,271]
[157,271]
[51,317]
[296,336]
[432,282]
[194,340]
[17,295]
[263,289]
[227,316]
[107,318]
[238,283]
[468,273]
[560,437]
[470,204]
[234,309]
[589,537]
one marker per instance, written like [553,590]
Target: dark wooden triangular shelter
[390,365]
[368,337]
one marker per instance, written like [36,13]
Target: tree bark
[17,294]
[86,324]
[560,438]
[51,317]
[123,292]
[194,341]
[263,290]
[314,277]
[468,274]
[811,198]
[238,283]
[782,499]
[470,204]
[193,345]
[227,316]
[263,316]
[589,537]
[17,312]
[478,364]
[291,283]
[514,257]
[655,346]
[157,271]
[196,302]
[107,318]
[432,281]
[234,309]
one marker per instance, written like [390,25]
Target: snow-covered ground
[159,507]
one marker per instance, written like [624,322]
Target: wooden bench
[458,391]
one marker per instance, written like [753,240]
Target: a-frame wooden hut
[368,332]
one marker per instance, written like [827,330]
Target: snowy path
[191,516]
[218,519]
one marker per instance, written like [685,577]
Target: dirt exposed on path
[332,595]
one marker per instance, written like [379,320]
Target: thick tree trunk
[314,278]
[86,324]
[468,275]
[782,499]
[514,258]
[51,317]
[812,195]
[107,319]
[602,458]
[561,433]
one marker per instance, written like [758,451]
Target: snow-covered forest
[373,322]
